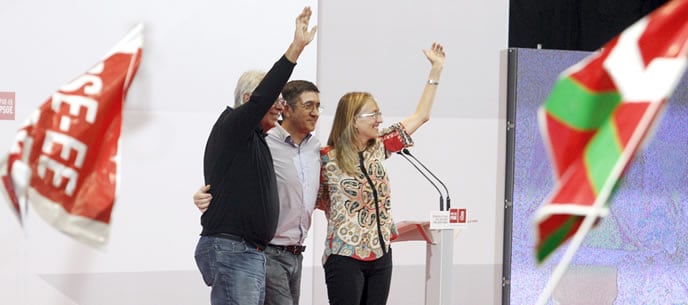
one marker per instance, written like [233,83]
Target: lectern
[439,255]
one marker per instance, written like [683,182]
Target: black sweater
[238,166]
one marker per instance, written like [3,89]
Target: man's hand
[302,36]
[202,198]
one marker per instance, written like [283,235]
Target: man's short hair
[248,81]
[293,89]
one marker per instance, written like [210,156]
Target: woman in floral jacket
[355,193]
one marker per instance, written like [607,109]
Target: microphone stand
[407,152]
[427,178]
[439,253]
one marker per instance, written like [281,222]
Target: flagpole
[598,205]
[563,265]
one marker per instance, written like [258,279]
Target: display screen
[636,255]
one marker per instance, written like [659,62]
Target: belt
[291,249]
[236,238]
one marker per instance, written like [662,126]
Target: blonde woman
[355,191]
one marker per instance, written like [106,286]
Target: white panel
[376,46]
[194,52]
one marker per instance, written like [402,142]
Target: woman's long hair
[343,134]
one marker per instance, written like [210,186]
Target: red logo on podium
[457,215]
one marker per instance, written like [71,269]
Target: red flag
[64,159]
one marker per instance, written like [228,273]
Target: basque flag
[598,114]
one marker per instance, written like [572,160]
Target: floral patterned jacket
[359,218]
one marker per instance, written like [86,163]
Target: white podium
[439,256]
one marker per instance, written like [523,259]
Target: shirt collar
[281,134]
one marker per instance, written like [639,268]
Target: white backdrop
[376,46]
[194,51]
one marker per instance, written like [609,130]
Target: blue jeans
[234,270]
[283,277]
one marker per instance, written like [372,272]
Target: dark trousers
[354,282]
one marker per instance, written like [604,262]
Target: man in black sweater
[243,215]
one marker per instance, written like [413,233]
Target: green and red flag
[598,114]
[64,158]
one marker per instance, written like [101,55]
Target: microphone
[426,177]
[407,152]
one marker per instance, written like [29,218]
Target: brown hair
[294,88]
[343,134]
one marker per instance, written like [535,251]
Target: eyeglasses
[280,102]
[375,115]
[310,106]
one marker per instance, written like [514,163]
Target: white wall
[193,54]
[376,46]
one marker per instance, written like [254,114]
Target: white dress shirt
[297,168]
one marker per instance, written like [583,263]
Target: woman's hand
[435,54]
[436,57]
